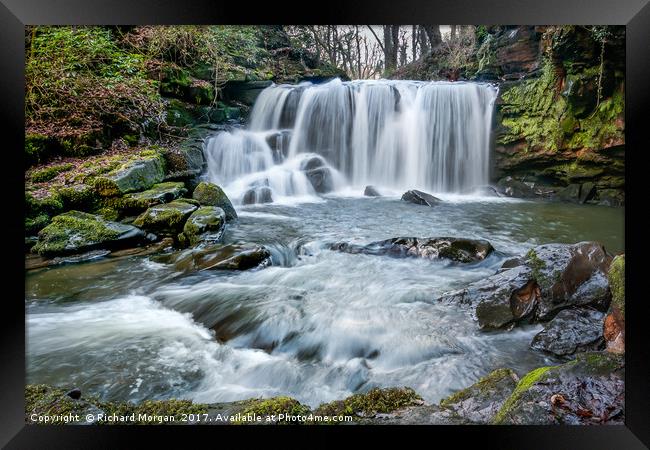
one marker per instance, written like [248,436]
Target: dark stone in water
[515,188]
[553,277]
[571,331]
[261,194]
[420,198]
[371,191]
[456,249]
[312,163]
[74,394]
[321,179]
[223,257]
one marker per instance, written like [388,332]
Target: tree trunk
[433,33]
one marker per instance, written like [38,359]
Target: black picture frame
[635,14]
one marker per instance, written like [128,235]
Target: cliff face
[559,124]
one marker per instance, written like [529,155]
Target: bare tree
[433,34]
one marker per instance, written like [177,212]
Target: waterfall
[307,139]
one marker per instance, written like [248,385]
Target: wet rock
[279,143]
[321,179]
[587,192]
[185,161]
[514,188]
[260,194]
[456,249]
[168,218]
[571,331]
[206,224]
[79,232]
[209,194]
[480,402]
[74,394]
[312,163]
[587,391]
[553,277]
[133,176]
[486,191]
[571,193]
[371,191]
[224,257]
[614,326]
[420,198]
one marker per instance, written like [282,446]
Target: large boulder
[78,232]
[168,218]
[319,175]
[614,326]
[209,194]
[571,331]
[420,198]
[587,391]
[223,257]
[456,249]
[206,224]
[552,277]
[133,176]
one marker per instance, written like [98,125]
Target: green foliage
[78,80]
[524,384]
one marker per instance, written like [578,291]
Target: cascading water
[308,139]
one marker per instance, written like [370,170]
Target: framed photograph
[382,218]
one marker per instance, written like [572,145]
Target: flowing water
[317,325]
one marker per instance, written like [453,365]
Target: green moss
[84,227]
[46,174]
[374,401]
[524,384]
[535,264]
[276,406]
[616,277]
[80,197]
[44,400]
[168,217]
[34,224]
[167,408]
[482,385]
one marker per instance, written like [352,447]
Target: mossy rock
[44,400]
[588,390]
[40,210]
[77,232]
[277,409]
[48,173]
[209,194]
[167,218]
[372,402]
[135,175]
[616,278]
[81,197]
[185,161]
[480,402]
[38,148]
[205,224]
[159,193]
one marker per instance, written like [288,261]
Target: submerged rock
[209,194]
[587,391]
[260,194]
[168,218]
[206,224]
[78,232]
[456,249]
[571,331]
[224,257]
[371,191]
[420,198]
[553,277]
